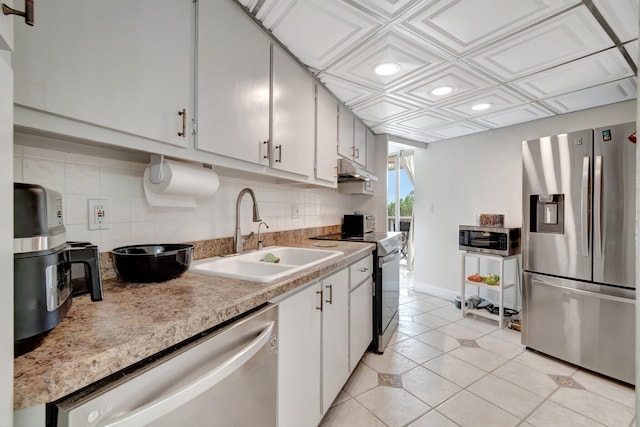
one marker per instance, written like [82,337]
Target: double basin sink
[258,266]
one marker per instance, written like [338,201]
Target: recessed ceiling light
[442,90]
[386,69]
[480,107]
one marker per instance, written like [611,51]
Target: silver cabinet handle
[27,14]
[584,208]
[597,207]
[265,150]
[183,113]
[321,292]
[330,300]
[279,148]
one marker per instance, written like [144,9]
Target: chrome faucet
[239,241]
[259,239]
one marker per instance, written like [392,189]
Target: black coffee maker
[42,263]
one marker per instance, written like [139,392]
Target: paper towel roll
[181,184]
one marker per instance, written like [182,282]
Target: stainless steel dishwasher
[226,378]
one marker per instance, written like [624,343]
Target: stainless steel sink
[251,265]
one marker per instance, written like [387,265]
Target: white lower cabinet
[360,309]
[335,336]
[299,329]
[316,343]
[360,321]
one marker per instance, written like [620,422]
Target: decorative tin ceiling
[526,59]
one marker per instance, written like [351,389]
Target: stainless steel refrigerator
[579,208]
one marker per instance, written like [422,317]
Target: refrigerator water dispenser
[547,213]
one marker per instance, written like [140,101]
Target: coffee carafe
[42,265]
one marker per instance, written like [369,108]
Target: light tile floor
[440,370]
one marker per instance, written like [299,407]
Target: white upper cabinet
[117,64]
[233,83]
[326,135]
[6,28]
[359,143]
[345,132]
[293,114]
[352,140]
[371,150]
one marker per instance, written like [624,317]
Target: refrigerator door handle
[586,293]
[584,208]
[597,208]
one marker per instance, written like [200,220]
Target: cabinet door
[6,236]
[6,28]
[335,336]
[345,132]
[326,135]
[299,358]
[233,83]
[293,128]
[371,151]
[359,143]
[118,64]
[360,322]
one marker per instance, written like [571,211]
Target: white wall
[480,173]
[132,220]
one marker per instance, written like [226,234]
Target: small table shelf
[503,284]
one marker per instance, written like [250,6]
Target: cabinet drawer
[360,271]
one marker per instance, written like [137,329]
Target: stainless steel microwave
[357,225]
[489,240]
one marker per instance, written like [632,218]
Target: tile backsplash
[79,177]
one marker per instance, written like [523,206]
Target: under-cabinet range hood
[349,172]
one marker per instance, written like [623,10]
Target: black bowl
[151,263]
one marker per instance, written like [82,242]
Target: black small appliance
[42,265]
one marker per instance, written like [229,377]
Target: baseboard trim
[435,291]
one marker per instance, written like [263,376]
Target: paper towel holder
[156,165]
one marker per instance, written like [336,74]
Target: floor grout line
[506,339]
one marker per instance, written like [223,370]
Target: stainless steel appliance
[226,378]
[489,240]
[42,265]
[579,248]
[356,225]
[386,281]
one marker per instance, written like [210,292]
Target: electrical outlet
[98,214]
[295,210]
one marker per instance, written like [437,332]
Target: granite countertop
[135,321]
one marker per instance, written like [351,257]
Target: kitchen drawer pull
[165,404]
[27,14]
[265,150]
[183,113]
[364,269]
[321,292]
[330,300]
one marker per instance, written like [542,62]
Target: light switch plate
[98,214]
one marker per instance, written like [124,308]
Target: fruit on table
[491,279]
[475,278]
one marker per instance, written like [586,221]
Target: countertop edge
[63,364]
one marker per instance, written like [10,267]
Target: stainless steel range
[386,281]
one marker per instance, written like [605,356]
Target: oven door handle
[387,259]
[165,404]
